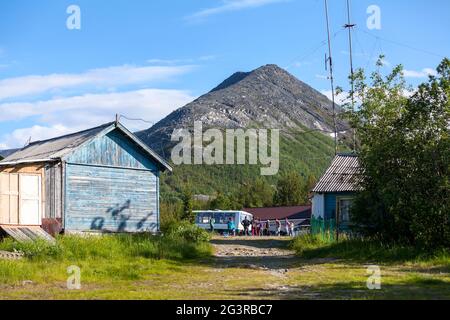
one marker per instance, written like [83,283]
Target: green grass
[145,267]
[101,258]
[357,250]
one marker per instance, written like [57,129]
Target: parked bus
[221,219]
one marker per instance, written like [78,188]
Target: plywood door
[9,198]
[4,198]
[30,199]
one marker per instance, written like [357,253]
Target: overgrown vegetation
[102,258]
[290,189]
[404,154]
[306,154]
[366,250]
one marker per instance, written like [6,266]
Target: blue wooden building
[334,193]
[103,179]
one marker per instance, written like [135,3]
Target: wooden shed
[103,179]
[336,189]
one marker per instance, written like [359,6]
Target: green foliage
[308,153]
[255,194]
[292,190]
[363,250]
[170,213]
[175,245]
[39,249]
[404,154]
[221,202]
[101,258]
[188,214]
[188,232]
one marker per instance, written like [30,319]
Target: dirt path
[268,253]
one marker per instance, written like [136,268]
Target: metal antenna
[330,61]
[350,27]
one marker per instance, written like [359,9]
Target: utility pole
[350,27]
[329,61]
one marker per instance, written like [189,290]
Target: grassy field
[143,267]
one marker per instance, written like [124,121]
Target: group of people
[262,227]
[258,227]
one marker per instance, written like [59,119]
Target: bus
[221,218]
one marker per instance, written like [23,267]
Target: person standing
[261,227]
[231,227]
[287,226]
[212,221]
[246,224]
[278,226]
[267,228]
[254,227]
[292,229]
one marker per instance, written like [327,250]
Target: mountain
[267,97]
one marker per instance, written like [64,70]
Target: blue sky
[144,59]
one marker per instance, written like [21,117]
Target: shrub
[188,232]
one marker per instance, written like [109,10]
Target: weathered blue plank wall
[113,149]
[111,186]
[330,203]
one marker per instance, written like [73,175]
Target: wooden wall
[111,185]
[9,190]
[53,194]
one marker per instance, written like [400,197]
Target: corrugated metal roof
[57,148]
[54,148]
[343,175]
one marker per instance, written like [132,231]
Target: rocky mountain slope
[268,97]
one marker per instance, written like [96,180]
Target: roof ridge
[68,135]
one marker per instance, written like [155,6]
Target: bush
[188,232]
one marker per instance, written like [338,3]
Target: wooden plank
[113,149]
[110,199]
[27,233]
[14,199]
[4,198]
[30,199]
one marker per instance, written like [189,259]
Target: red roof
[295,212]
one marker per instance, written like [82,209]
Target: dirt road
[254,253]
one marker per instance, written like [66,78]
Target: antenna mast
[350,27]
[329,61]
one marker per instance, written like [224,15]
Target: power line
[405,45]
[312,50]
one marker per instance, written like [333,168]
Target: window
[344,207]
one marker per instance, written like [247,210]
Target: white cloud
[103,78]
[63,115]
[419,74]
[231,5]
